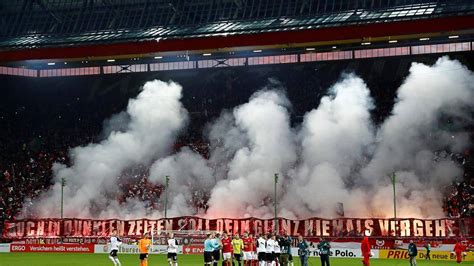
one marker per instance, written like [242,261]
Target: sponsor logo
[4,248]
[435,255]
[72,248]
[193,250]
[17,248]
[133,249]
[339,252]
[380,243]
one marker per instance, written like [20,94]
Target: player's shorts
[216,254]
[248,255]
[113,253]
[208,256]
[173,256]
[254,255]
[226,256]
[261,256]
[238,257]
[269,256]
[277,256]
[143,256]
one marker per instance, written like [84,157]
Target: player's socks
[118,262]
[113,260]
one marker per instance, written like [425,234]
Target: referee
[216,255]
[209,249]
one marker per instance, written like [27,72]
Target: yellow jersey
[238,245]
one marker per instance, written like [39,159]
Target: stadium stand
[77,92]
[30,147]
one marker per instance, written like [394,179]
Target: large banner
[313,227]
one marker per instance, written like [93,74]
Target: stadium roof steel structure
[43,29]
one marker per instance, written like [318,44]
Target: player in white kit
[114,243]
[270,251]
[261,249]
[277,249]
[172,251]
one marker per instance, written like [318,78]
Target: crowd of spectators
[459,200]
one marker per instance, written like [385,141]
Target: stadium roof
[32,24]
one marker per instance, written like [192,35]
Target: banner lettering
[314,227]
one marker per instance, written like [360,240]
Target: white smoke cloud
[408,139]
[117,122]
[190,179]
[270,149]
[156,117]
[333,139]
[337,155]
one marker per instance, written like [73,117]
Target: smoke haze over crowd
[336,155]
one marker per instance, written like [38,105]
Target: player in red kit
[226,250]
[254,251]
[365,248]
[459,248]
[248,248]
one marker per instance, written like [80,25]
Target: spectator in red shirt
[365,248]
[459,248]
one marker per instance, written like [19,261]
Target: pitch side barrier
[341,248]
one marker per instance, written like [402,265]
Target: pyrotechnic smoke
[333,138]
[268,148]
[407,140]
[191,180]
[337,155]
[156,117]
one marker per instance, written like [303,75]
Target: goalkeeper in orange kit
[143,245]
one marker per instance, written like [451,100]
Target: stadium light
[393,179]
[453,37]
[110,60]
[257,51]
[158,57]
[63,184]
[424,39]
[365,43]
[206,54]
[275,204]
[167,182]
[392,41]
[310,49]
[334,47]
[51,64]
